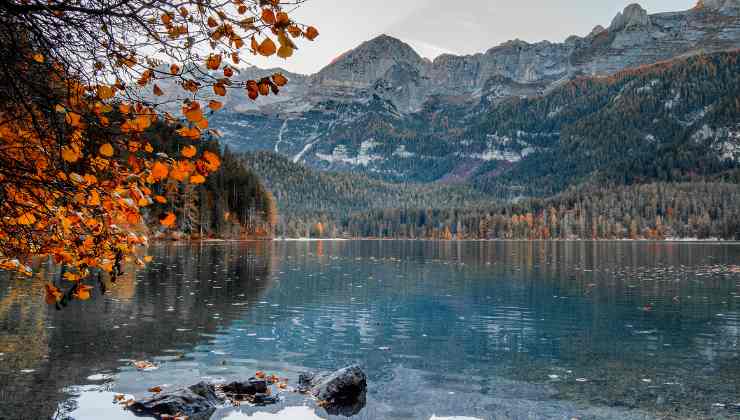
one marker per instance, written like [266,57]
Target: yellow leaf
[105,92]
[285,52]
[148,258]
[188,151]
[106,150]
[39,58]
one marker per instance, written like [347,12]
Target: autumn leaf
[106,150]
[157,90]
[159,171]
[192,111]
[167,219]
[267,48]
[53,294]
[197,179]
[268,16]
[105,92]
[188,151]
[279,79]
[160,199]
[285,52]
[82,292]
[39,58]
[311,33]
[212,161]
[282,19]
[71,154]
[26,219]
[213,62]
[219,89]
[215,105]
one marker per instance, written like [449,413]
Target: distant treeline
[651,211]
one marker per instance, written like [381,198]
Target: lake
[482,330]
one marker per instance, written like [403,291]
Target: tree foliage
[82,82]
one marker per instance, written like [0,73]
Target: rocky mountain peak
[632,16]
[719,5]
[371,60]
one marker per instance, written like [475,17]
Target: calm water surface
[500,330]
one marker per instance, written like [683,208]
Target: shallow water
[499,330]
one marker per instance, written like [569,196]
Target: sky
[434,27]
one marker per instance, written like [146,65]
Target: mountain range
[652,96]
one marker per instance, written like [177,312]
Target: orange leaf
[26,219]
[157,90]
[268,16]
[167,219]
[282,18]
[192,111]
[214,61]
[106,150]
[160,199]
[159,171]
[219,89]
[279,79]
[215,105]
[311,33]
[267,48]
[188,151]
[197,179]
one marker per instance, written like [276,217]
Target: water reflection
[171,304]
[520,329]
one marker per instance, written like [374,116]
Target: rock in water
[251,387]
[196,402]
[343,392]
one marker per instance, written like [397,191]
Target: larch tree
[81,82]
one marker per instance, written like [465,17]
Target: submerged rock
[196,402]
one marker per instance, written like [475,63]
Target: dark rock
[251,387]
[197,402]
[306,380]
[264,399]
[343,392]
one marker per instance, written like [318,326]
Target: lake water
[483,330]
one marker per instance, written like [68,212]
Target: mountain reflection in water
[447,329]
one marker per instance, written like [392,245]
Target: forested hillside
[231,203]
[670,121]
[306,196]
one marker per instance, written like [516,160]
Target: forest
[232,203]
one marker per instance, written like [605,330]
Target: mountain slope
[382,110]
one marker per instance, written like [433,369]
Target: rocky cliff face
[341,117]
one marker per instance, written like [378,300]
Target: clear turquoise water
[486,330]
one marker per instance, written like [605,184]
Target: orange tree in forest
[81,81]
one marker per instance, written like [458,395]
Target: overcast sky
[433,27]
